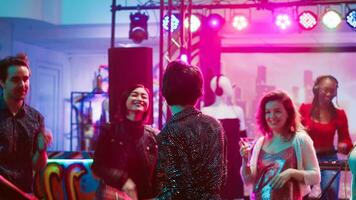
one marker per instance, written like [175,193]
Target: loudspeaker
[127,67]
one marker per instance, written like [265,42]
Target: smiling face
[17,83]
[137,102]
[276,116]
[327,90]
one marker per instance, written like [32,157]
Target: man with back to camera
[23,139]
[191,146]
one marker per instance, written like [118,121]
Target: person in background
[283,162]
[191,146]
[23,139]
[126,152]
[322,121]
[232,119]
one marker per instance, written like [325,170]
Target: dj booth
[338,166]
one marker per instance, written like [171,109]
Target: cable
[347,168]
[345,179]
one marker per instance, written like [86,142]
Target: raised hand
[245,150]
[130,189]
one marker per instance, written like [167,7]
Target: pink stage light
[283,21]
[184,58]
[307,20]
[331,19]
[240,22]
[194,23]
[215,22]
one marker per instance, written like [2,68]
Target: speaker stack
[127,67]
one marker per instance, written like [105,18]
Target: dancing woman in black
[126,152]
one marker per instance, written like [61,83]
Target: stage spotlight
[307,20]
[283,21]
[351,19]
[215,22]
[184,58]
[331,19]
[194,23]
[138,27]
[174,22]
[240,22]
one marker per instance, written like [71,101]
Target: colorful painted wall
[66,176]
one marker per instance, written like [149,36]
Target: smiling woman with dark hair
[126,152]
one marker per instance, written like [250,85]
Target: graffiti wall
[66,176]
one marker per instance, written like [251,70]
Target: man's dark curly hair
[18,60]
[182,84]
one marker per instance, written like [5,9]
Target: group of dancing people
[193,156]
[189,158]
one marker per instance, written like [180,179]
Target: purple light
[215,22]
[283,21]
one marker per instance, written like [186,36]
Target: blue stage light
[174,22]
[351,19]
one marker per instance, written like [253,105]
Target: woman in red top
[322,120]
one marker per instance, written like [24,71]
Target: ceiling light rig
[307,20]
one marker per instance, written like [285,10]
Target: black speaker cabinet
[127,67]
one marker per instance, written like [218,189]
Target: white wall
[5,39]
[82,70]
[45,10]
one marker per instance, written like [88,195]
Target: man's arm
[39,159]
[42,140]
